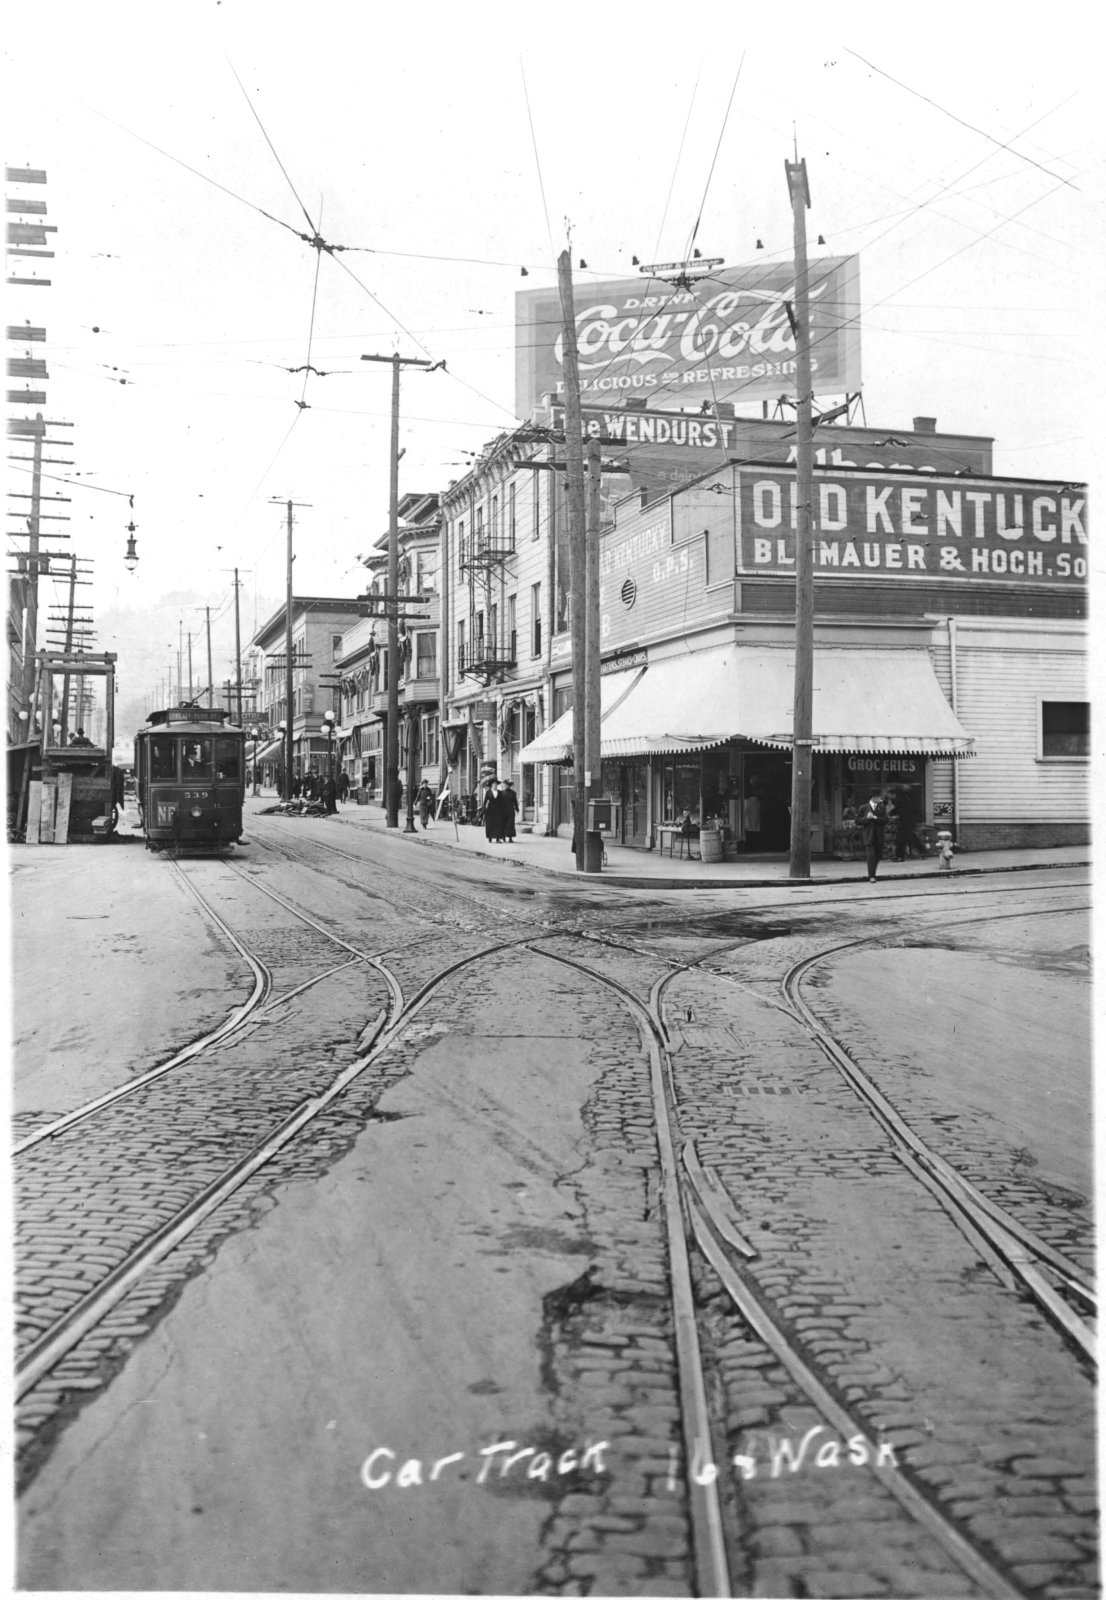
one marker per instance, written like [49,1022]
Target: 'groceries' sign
[946,528]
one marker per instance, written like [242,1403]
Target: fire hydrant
[945,848]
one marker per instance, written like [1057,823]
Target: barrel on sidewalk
[710,844]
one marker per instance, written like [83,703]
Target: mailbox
[605,816]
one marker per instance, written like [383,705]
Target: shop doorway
[766,803]
[635,804]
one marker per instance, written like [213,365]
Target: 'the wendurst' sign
[936,528]
[726,337]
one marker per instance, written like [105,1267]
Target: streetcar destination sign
[936,527]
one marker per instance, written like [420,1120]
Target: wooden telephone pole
[391,731]
[577,553]
[802,731]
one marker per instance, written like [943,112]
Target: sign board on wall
[679,447]
[958,528]
[727,337]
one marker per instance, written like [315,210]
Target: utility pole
[574,472]
[391,731]
[593,860]
[237,648]
[64,733]
[210,670]
[190,663]
[180,660]
[802,732]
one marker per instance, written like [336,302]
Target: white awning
[555,742]
[268,751]
[875,702]
[880,702]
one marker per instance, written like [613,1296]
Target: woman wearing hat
[508,810]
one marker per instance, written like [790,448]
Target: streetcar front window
[228,761]
[197,760]
[163,760]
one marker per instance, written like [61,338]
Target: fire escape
[487,653]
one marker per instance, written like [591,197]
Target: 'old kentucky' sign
[939,527]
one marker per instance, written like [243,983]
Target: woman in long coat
[493,816]
[508,801]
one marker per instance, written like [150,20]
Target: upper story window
[426,655]
[495,515]
[1065,730]
[511,511]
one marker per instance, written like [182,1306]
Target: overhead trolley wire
[1002,143]
[717,148]
[537,158]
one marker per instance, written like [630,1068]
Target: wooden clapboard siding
[61,824]
[34,810]
[1000,682]
[46,817]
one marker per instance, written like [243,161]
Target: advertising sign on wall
[726,337]
[667,449]
[934,528]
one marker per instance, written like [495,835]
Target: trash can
[362,796]
[593,850]
[710,844]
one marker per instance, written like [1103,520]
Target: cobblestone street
[433,1223]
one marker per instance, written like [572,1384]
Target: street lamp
[255,735]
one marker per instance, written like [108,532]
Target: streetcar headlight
[197,811]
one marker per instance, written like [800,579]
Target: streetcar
[189,763]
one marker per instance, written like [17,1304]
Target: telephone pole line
[802,729]
[289,675]
[577,554]
[593,760]
[391,731]
[210,671]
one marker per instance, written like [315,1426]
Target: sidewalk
[649,869]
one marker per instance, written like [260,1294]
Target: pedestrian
[492,813]
[297,786]
[508,801]
[873,824]
[343,787]
[329,795]
[256,780]
[280,783]
[308,786]
[425,799]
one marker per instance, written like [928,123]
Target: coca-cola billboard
[727,336]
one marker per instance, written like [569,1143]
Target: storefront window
[681,789]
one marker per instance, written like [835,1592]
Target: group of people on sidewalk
[500,811]
[311,786]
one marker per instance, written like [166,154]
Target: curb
[727,883]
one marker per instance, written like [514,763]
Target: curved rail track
[697,1211]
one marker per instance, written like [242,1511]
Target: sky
[448,148]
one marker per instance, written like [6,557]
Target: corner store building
[950,635]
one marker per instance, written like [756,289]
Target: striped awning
[872,701]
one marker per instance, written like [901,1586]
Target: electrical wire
[717,148]
[193,170]
[1002,144]
[676,167]
[272,147]
[537,158]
